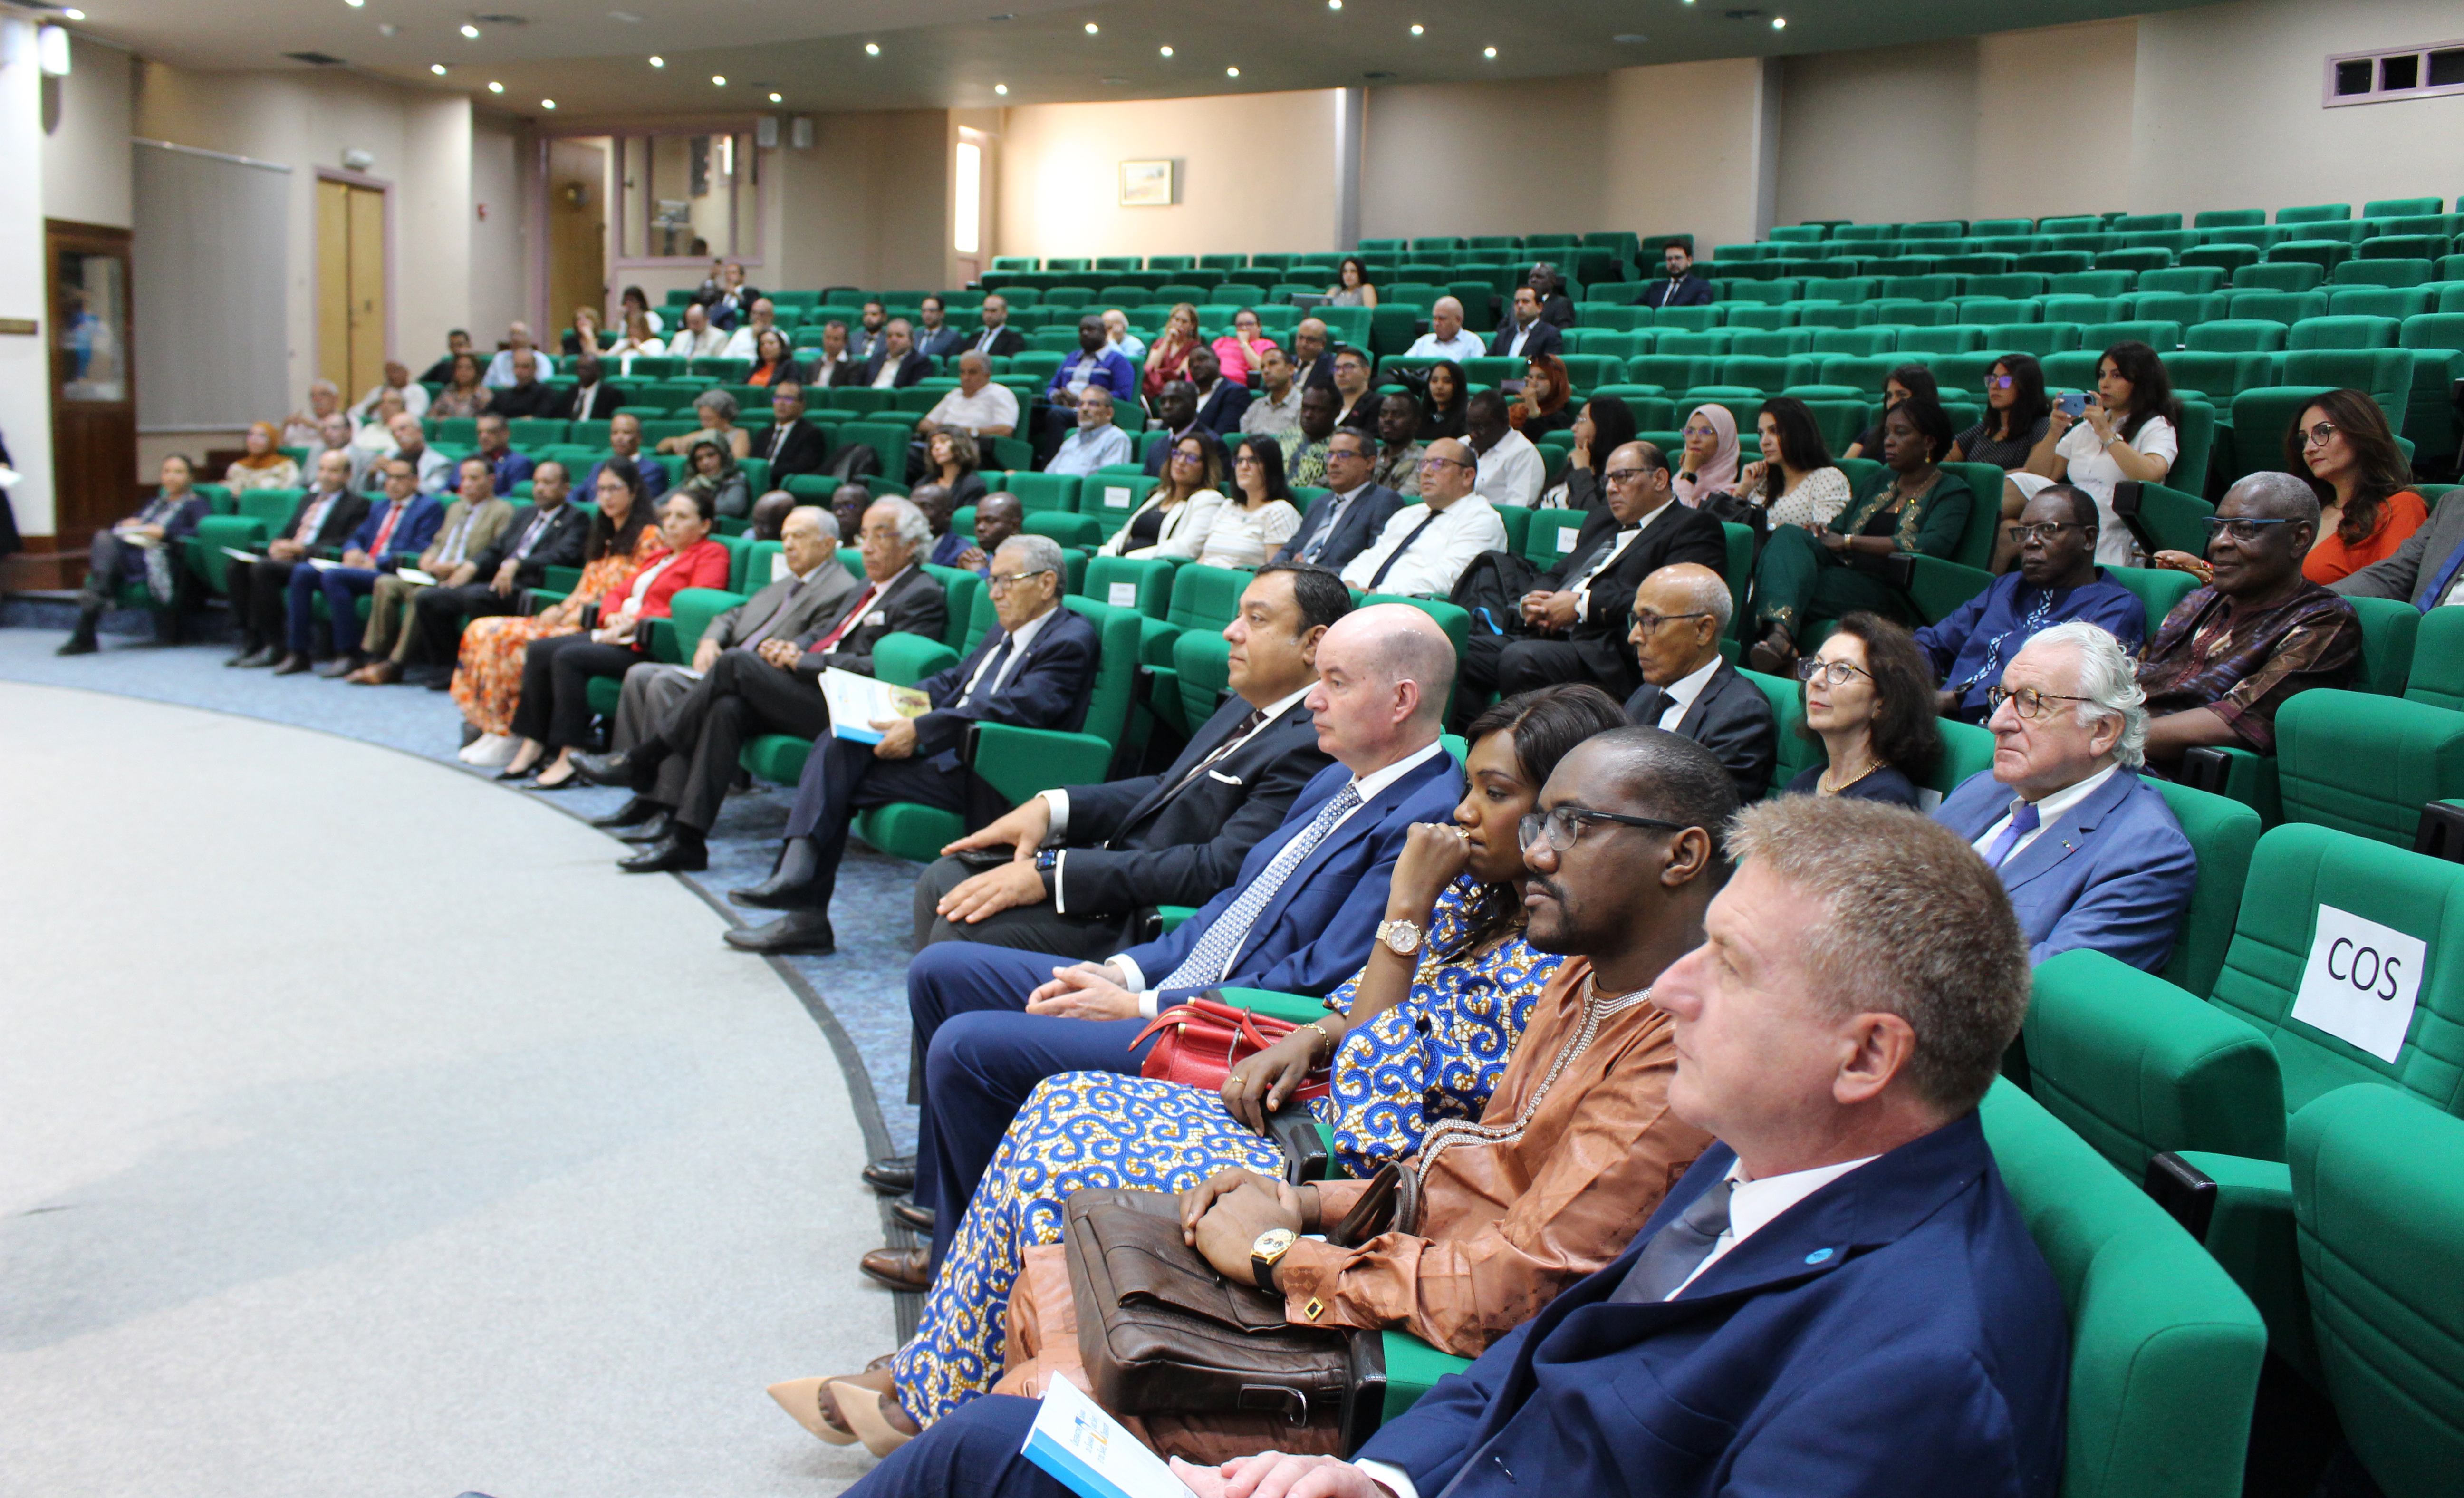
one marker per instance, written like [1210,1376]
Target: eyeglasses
[1625,475]
[2045,530]
[1190,459]
[1251,459]
[1331,453]
[1565,824]
[2027,701]
[1998,382]
[1701,431]
[1647,623]
[1830,673]
[1428,463]
[2243,530]
[1000,583]
[2320,435]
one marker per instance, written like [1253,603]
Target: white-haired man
[2090,853]
[1447,337]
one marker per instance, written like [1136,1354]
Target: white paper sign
[778,567]
[1122,595]
[1566,536]
[2361,982]
[1117,496]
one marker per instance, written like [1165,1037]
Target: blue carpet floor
[858,995]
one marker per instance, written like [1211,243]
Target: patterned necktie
[1396,555]
[989,676]
[1248,725]
[2436,594]
[1325,533]
[2022,823]
[1678,1249]
[1211,959]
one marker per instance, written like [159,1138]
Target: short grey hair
[1035,553]
[2282,494]
[828,522]
[2108,681]
[913,529]
[718,401]
[974,359]
[1705,592]
[326,385]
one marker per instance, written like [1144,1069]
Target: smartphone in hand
[2070,404]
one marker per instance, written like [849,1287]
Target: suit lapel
[1222,726]
[1355,828]
[1696,711]
[2066,833]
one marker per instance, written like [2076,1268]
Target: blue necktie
[1211,959]
[2022,823]
[1678,1249]
[989,676]
[2446,579]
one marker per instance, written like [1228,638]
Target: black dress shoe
[797,931]
[918,1218]
[509,773]
[260,657]
[891,1175]
[625,768]
[655,831]
[340,666]
[632,814]
[292,664]
[683,851]
[799,863]
[79,642]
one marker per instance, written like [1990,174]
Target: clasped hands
[1022,829]
[1543,609]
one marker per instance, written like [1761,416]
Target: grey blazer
[823,599]
[2416,567]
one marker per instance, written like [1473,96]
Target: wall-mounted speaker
[765,132]
[800,132]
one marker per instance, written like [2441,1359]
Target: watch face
[1273,1242]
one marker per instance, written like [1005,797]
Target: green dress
[1799,578]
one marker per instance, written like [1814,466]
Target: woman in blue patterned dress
[1416,1036]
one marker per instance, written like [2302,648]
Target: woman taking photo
[263,465]
[1541,407]
[1261,514]
[951,460]
[1352,288]
[2368,504]
[1708,463]
[1868,697]
[1447,405]
[1795,479]
[1180,509]
[1168,357]
[1605,425]
[2015,409]
[2128,430]
[463,395]
[1905,381]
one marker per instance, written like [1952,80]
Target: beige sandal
[862,1409]
[801,1398]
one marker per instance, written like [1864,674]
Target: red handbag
[1203,1040]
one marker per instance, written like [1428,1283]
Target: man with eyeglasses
[1036,671]
[1681,612]
[2056,581]
[2230,653]
[1424,548]
[2089,853]
[1339,525]
[1572,624]
[1177,407]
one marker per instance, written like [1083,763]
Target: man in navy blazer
[2090,853]
[897,351]
[1342,523]
[1840,1297]
[993,1021]
[393,535]
[1036,671]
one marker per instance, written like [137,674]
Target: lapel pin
[1818,1256]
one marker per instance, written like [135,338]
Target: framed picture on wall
[1150,184]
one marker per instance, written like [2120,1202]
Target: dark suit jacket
[2416,567]
[1368,514]
[825,374]
[942,341]
[1557,310]
[1545,339]
[1729,717]
[1048,689]
[604,398]
[2113,873]
[801,451]
[1676,533]
[1895,1332]
[1008,340]
[1153,840]
[1315,931]
[1221,411]
[1691,292]
[912,368]
[535,399]
[568,532]
[823,599]
[334,532]
[915,604]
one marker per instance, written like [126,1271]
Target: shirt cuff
[1392,1477]
[1058,802]
[1052,884]
[1150,1003]
[1133,978]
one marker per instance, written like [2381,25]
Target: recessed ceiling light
[1488,52]
[353,4]
[75,14]
[873,48]
[496,88]
[1417,28]
[776,98]
[1779,23]
[547,103]
[1116,82]
[1164,51]
[469,31]
[1001,88]
[436,68]
[1334,4]
[718,81]
[626,16]
[387,29]
[659,62]
[1231,73]
[1092,28]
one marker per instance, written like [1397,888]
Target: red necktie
[849,620]
[384,532]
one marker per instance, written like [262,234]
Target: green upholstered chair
[2225,834]
[1114,495]
[2438,675]
[2367,764]
[1797,752]
[2158,589]
[1966,750]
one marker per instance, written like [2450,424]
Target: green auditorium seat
[2237,336]
[2277,306]
[2380,302]
[2186,308]
[2193,280]
[1957,339]
[2056,262]
[2346,332]
[1792,343]
[2384,271]
[1862,342]
[2039,339]
[2157,335]
[2081,309]
[1866,373]
[2387,373]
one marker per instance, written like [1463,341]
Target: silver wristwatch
[1402,938]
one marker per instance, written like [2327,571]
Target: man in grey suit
[1341,525]
[2425,569]
[1688,688]
[813,589]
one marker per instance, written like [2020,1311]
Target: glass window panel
[93,326]
[969,193]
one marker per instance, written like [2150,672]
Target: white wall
[85,137]
[25,364]
[500,243]
[1886,134]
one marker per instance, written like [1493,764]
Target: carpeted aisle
[369,1133]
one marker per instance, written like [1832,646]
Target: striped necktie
[1211,959]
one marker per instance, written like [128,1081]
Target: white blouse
[1245,538]
[1183,531]
[1817,497]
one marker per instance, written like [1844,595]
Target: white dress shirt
[1510,472]
[415,400]
[1086,449]
[500,371]
[1683,691]
[993,405]
[2047,810]
[1438,557]
[685,345]
[745,342]
[1464,344]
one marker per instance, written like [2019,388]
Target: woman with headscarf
[1541,407]
[263,466]
[711,471]
[1605,425]
[1446,403]
[1708,463]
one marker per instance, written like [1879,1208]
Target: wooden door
[350,286]
[577,234]
[94,380]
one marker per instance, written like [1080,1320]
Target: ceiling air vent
[2393,73]
[315,59]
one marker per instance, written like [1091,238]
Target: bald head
[1678,613]
[2273,496]
[1385,676]
[1445,317]
[1453,476]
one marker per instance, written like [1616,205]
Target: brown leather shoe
[377,673]
[900,1269]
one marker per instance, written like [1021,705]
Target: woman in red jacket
[554,714]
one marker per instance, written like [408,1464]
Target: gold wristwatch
[1402,938]
[1268,1251]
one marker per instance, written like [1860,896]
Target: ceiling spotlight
[1334,4]
[1164,51]
[353,4]
[1417,28]
[387,29]
[1001,88]
[547,103]
[1779,23]
[1231,73]
[718,81]
[873,48]
[775,98]
[659,62]
[1488,52]
[75,14]
[436,68]
[469,31]
[496,88]
[1092,28]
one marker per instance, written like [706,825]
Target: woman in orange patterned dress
[488,677]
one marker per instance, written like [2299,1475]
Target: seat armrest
[1297,1008]
[1017,762]
[1939,588]
[2440,833]
[2247,777]
[2252,1234]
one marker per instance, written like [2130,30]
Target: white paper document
[414,575]
[237,555]
[2361,982]
[858,702]
[1082,1446]
[322,564]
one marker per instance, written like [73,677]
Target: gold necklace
[1830,789]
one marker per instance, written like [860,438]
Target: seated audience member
[1168,355]
[391,534]
[303,429]
[1180,511]
[680,760]
[501,374]
[2015,408]
[697,339]
[1221,401]
[978,407]
[1275,411]
[1688,687]
[1911,505]
[471,524]
[1604,425]
[1396,464]
[552,719]
[1261,515]
[144,547]
[1243,351]
[1793,481]
[1116,332]
[2090,852]
[488,670]
[1540,409]
[2056,581]
[996,338]
[770,512]
[1681,287]
[1312,363]
[525,396]
[463,396]
[1356,403]
[1708,464]
[434,469]
[374,439]
[592,398]
[953,462]
[934,338]
[398,380]
[2230,653]
[1869,698]
[1902,384]
[1573,622]
[334,435]
[1034,671]
[2367,505]
[506,466]
[1447,337]
[744,341]
[2130,429]
[774,361]
[636,301]
[847,503]
[640,336]
[1304,446]
[1094,441]
[1571,1147]
[871,334]
[713,480]
[998,516]
[263,465]
[1352,287]
[624,443]
[1089,860]
[1299,916]
[895,364]
[550,534]
[1510,467]
[320,525]
[835,367]
[582,338]
[1424,548]
[716,410]
[458,342]
[1446,412]
[731,299]
[1176,414]
[2425,569]
[792,445]
[1525,333]
[1555,309]
[1096,363]
[1341,523]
